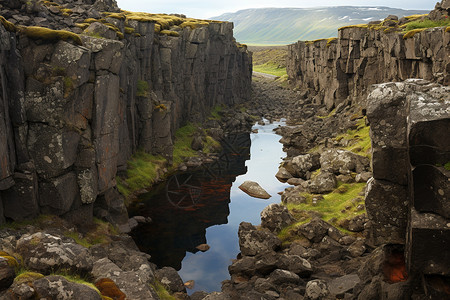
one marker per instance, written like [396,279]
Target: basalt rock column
[407,200]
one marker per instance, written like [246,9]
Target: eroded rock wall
[71,115]
[342,70]
[407,198]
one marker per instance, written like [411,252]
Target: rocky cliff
[341,70]
[81,95]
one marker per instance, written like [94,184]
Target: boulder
[7,274]
[386,206]
[275,217]
[44,253]
[58,287]
[253,189]
[325,182]
[244,266]
[129,282]
[169,278]
[357,248]
[283,175]
[295,264]
[315,230]
[339,161]
[282,277]
[302,165]
[341,285]
[295,181]
[253,241]
[316,290]
[294,195]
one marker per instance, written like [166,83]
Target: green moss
[211,145]
[118,16]
[182,146]
[129,30]
[142,172]
[289,234]
[194,24]
[142,88]
[426,23]
[27,277]
[412,33]
[169,33]
[68,86]
[334,204]
[41,33]
[83,26]
[330,41]
[447,166]
[332,113]
[162,292]
[8,25]
[216,112]
[359,139]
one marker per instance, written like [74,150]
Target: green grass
[360,142]
[447,166]
[142,172]
[215,112]
[332,204]
[182,146]
[162,291]
[142,88]
[427,23]
[269,68]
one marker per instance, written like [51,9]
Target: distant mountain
[278,26]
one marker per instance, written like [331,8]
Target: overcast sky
[209,8]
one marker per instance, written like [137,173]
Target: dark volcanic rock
[315,230]
[57,287]
[275,217]
[253,241]
[7,274]
[45,253]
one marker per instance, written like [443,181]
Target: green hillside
[281,26]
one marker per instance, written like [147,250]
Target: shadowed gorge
[153,156]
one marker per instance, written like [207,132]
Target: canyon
[85,86]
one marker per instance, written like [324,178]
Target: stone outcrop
[342,70]
[407,199]
[71,115]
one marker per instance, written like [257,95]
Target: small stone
[316,289]
[253,189]
[189,284]
[203,247]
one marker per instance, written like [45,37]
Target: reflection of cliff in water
[187,204]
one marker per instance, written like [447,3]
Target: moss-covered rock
[42,33]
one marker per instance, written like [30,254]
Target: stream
[206,207]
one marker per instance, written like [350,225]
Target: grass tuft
[334,204]
[162,292]
[142,88]
[42,33]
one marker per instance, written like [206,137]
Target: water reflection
[200,210]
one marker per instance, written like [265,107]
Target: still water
[206,207]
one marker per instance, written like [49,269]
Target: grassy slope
[342,203]
[269,60]
[281,26]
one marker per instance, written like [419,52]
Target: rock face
[340,70]
[407,201]
[71,115]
